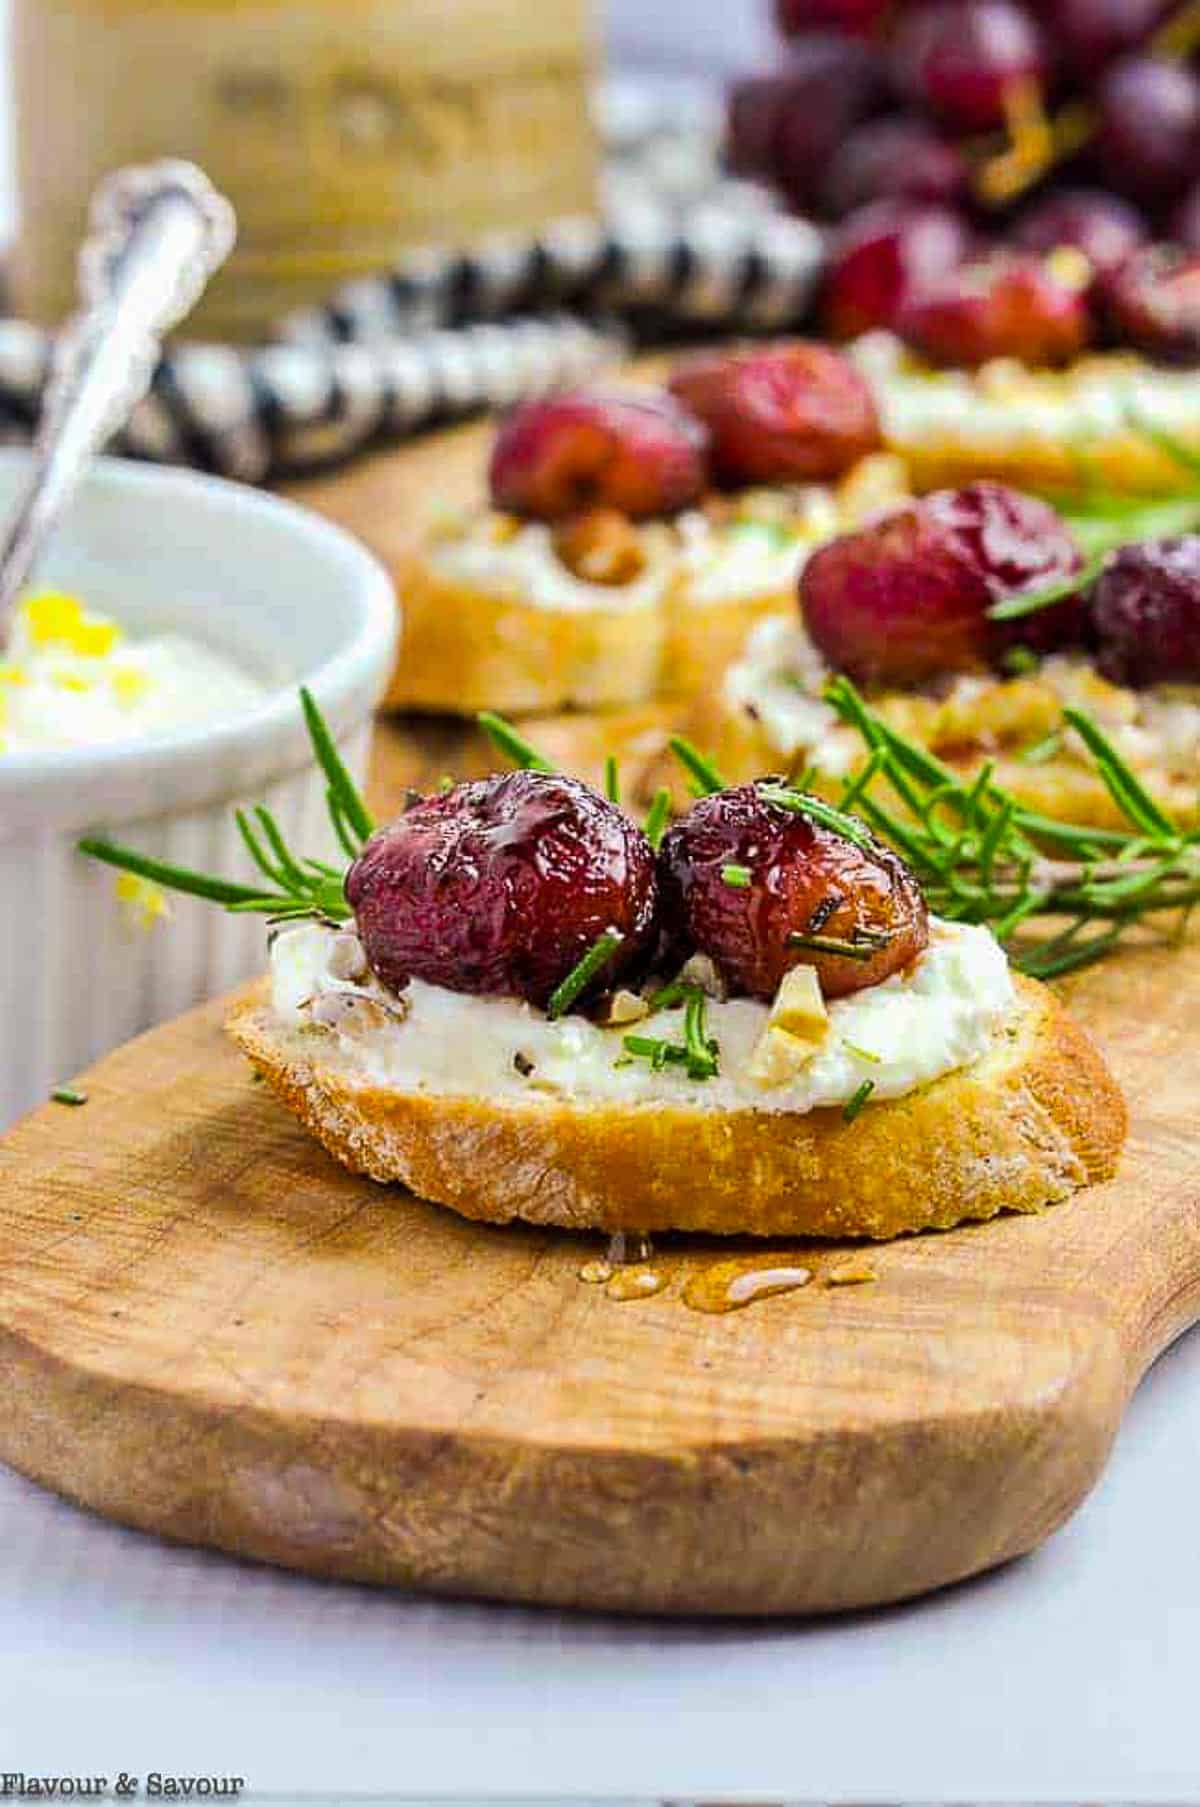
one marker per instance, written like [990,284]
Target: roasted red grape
[829,84]
[500,886]
[906,599]
[642,454]
[806,883]
[1103,227]
[789,412]
[1153,303]
[1090,33]
[1148,127]
[963,58]
[1146,613]
[860,18]
[883,257]
[894,159]
[1005,306]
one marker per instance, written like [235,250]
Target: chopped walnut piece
[601,547]
[622,1007]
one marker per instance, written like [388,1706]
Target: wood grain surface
[210,1331]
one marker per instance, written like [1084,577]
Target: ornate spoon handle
[155,237]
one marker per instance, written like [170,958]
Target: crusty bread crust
[1038,1117]
[464,649]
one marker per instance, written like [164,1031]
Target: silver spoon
[156,235]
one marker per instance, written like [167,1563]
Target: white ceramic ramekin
[282,592]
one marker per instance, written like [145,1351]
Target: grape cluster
[936,133]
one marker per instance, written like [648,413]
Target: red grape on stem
[1005,306]
[963,59]
[1102,226]
[1147,138]
[899,158]
[882,257]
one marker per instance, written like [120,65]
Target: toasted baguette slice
[1053,430]
[1032,1121]
[464,649]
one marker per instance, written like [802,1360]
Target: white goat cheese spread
[779,679]
[69,677]
[523,566]
[939,1015]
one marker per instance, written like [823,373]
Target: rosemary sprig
[803,803]
[296,888]
[981,856]
[657,817]
[515,748]
[704,776]
[736,877]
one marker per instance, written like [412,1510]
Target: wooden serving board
[210,1331]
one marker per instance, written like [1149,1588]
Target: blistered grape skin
[501,885]
[793,411]
[882,257]
[906,599]
[804,879]
[640,453]
[1008,306]
[1146,613]
[1152,302]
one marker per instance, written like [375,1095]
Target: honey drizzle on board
[720,1287]
[733,1285]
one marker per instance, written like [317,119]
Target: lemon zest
[54,618]
[146,902]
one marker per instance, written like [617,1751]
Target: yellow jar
[342,130]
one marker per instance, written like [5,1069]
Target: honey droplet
[851,1273]
[628,1248]
[595,1273]
[732,1285]
[634,1283]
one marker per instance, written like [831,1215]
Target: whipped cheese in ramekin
[69,677]
[936,1017]
[517,560]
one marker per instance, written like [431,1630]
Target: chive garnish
[514,746]
[855,1103]
[583,972]
[612,779]
[872,1059]
[863,948]
[736,876]
[67,1094]
[657,817]
[698,1051]
[704,775]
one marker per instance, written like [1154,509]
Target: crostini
[523,1004]
[610,567]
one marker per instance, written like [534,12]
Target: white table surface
[1070,1676]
